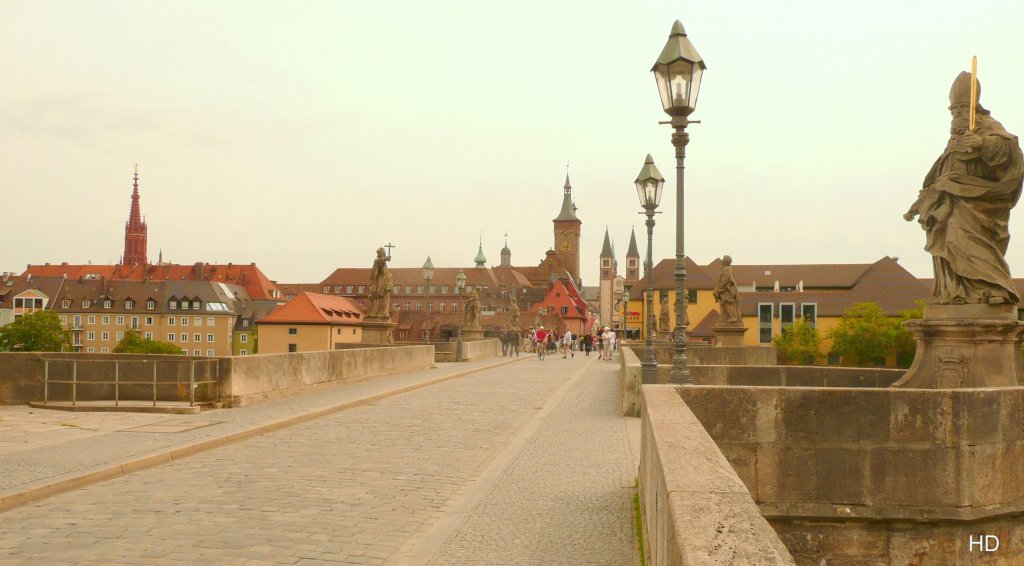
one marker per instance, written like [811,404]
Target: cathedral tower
[606,285]
[567,233]
[134,230]
[632,259]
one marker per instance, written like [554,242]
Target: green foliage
[37,332]
[799,344]
[905,345]
[865,336]
[132,343]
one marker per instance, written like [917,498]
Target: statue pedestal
[378,331]
[472,333]
[965,346]
[729,335]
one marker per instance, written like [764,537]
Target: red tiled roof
[256,284]
[312,308]
[813,275]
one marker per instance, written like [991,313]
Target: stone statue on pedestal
[727,295]
[515,312]
[965,205]
[473,309]
[380,287]
[969,336]
[664,320]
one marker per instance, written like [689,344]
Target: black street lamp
[428,276]
[678,72]
[460,287]
[649,185]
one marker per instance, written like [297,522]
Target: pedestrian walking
[608,337]
[516,336]
[588,343]
[566,344]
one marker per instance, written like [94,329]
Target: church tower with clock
[567,233]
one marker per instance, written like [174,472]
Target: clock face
[566,247]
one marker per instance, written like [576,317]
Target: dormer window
[195,304]
[85,303]
[66,303]
[174,304]
[129,304]
[151,304]
[327,289]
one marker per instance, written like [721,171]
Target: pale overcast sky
[302,135]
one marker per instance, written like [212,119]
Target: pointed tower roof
[135,214]
[606,249]
[505,250]
[632,251]
[568,212]
[480,259]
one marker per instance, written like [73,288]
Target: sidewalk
[44,452]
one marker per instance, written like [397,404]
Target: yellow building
[309,323]
[774,297]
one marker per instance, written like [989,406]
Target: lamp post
[649,184]
[460,286]
[678,72]
[428,275]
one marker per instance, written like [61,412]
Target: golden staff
[974,92]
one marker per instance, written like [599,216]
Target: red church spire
[135,230]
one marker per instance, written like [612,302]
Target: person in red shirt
[542,342]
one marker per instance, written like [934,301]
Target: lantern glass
[678,85]
[649,192]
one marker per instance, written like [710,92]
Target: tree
[865,335]
[132,343]
[40,331]
[799,344]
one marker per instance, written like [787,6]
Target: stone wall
[256,378]
[21,376]
[471,349]
[696,511]
[703,354]
[629,383]
[876,476]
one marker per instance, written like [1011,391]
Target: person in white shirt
[609,337]
[567,344]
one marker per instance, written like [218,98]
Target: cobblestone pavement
[356,486]
[36,448]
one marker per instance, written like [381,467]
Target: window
[151,304]
[442,306]
[244,338]
[348,288]
[361,289]
[184,321]
[787,316]
[77,321]
[119,336]
[433,289]
[809,312]
[208,353]
[406,305]
[63,319]
[90,349]
[455,307]
[171,320]
[209,337]
[149,336]
[106,319]
[120,320]
[135,322]
[129,304]
[397,289]
[245,323]
[209,321]
[92,319]
[327,289]
[107,303]
[184,337]
[419,289]
[197,337]
[66,303]
[196,305]
[242,352]
[149,321]
[605,262]
[104,350]
[565,310]
[408,289]
[293,331]
[197,353]
[90,336]
[85,303]
[419,306]
[105,336]
[170,337]
[430,306]
[691,296]
[174,304]
[764,322]
[292,348]
[444,289]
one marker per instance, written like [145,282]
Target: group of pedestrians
[544,342]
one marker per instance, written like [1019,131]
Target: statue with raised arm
[964,207]
[727,295]
[380,287]
[664,321]
[473,309]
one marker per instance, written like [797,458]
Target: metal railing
[211,377]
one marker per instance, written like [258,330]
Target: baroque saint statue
[664,320]
[964,207]
[473,309]
[727,295]
[515,311]
[380,287]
